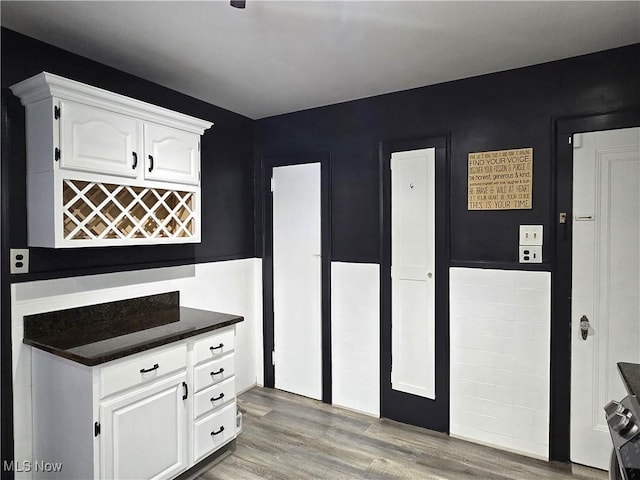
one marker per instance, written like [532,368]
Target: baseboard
[247,389]
[500,447]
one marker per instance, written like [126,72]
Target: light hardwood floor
[286,436]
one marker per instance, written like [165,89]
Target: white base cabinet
[139,417]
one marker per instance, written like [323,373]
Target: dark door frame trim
[437,417]
[324,158]
[6,362]
[560,388]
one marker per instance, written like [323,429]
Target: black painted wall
[226,159]
[512,109]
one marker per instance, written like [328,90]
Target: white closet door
[297,279]
[413,272]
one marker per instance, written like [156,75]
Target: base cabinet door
[144,433]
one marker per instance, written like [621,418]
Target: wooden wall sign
[500,180]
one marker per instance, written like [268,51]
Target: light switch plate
[19,260]
[530,234]
[530,254]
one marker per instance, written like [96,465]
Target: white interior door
[297,279]
[606,282]
[413,272]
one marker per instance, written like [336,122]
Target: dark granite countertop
[630,373]
[100,333]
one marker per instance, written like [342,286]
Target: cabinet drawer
[214,397]
[142,369]
[214,346]
[213,372]
[212,432]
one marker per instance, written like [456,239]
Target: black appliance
[623,418]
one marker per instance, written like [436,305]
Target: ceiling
[276,56]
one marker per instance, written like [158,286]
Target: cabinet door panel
[144,433]
[98,141]
[171,155]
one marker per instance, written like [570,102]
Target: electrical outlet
[530,234]
[530,254]
[19,260]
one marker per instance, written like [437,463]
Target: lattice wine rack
[109,211]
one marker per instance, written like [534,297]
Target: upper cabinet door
[99,141]
[171,155]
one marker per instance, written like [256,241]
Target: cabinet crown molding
[45,85]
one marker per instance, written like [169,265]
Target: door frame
[6,361]
[437,415]
[560,388]
[268,163]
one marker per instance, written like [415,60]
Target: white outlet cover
[530,254]
[530,234]
[19,258]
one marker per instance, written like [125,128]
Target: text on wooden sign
[500,180]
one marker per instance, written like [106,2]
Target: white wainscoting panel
[221,286]
[229,287]
[500,358]
[258,324]
[355,336]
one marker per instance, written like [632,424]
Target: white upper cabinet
[171,155]
[105,169]
[98,141]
